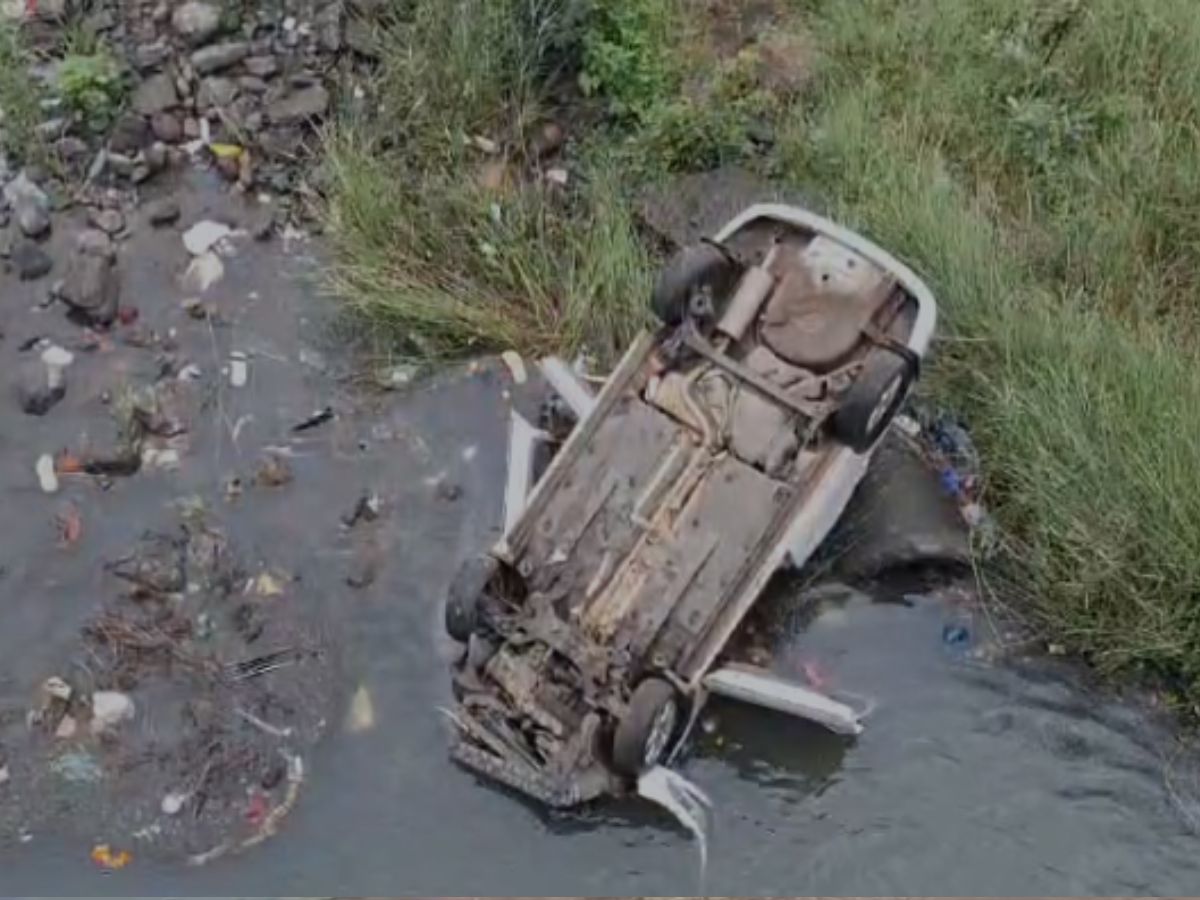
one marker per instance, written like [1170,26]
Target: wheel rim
[885,403]
[661,730]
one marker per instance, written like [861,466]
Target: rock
[30,205]
[549,139]
[163,211]
[300,105]
[262,224]
[49,10]
[261,66]
[154,95]
[121,164]
[361,38]
[91,287]
[219,56]
[110,709]
[167,127]
[196,22]
[100,21]
[191,128]
[151,56]
[367,8]
[899,519]
[129,133]
[252,84]
[216,91]
[328,23]
[282,141]
[92,242]
[30,261]
[110,221]
[51,128]
[155,158]
[67,726]
[72,150]
[35,395]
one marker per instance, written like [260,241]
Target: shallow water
[970,777]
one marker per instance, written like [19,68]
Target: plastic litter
[203,272]
[319,417]
[239,369]
[165,458]
[956,636]
[361,716]
[174,802]
[110,709]
[56,688]
[56,360]
[47,478]
[685,801]
[204,236]
[104,856]
[78,767]
[516,366]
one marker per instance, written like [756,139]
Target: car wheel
[644,734]
[872,401]
[698,274]
[462,598]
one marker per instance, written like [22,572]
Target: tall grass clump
[20,112]
[454,249]
[1038,163]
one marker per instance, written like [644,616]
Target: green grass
[1039,164]
[19,96]
[1037,161]
[451,265]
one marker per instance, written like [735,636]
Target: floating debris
[319,417]
[47,478]
[205,236]
[239,369]
[361,716]
[103,856]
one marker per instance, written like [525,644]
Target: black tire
[644,735]
[697,267]
[871,403]
[462,598]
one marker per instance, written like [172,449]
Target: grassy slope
[1036,161]
[1039,163]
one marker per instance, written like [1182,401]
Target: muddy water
[970,778]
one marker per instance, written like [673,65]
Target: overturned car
[720,449]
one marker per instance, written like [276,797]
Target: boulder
[299,105]
[30,206]
[216,91]
[30,261]
[91,286]
[213,58]
[166,127]
[163,211]
[196,22]
[154,95]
